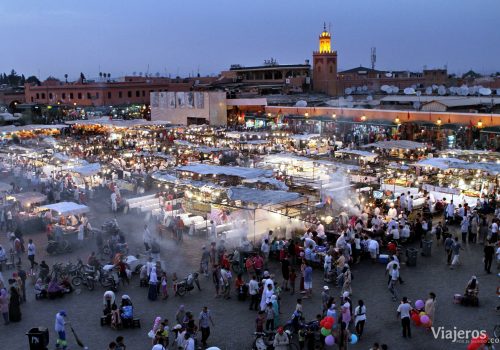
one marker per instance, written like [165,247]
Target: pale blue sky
[54,37]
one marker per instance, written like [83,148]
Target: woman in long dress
[430,306]
[153,281]
[14,305]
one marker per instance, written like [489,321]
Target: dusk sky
[177,37]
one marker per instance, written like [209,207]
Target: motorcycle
[58,247]
[187,284]
[108,277]
[85,275]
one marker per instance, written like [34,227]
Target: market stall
[63,216]
[27,219]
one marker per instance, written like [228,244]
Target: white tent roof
[440,163]
[27,198]
[280,185]
[268,197]
[242,172]
[86,170]
[397,144]
[364,154]
[66,208]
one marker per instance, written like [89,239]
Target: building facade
[126,91]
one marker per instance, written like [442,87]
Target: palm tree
[100,75]
[66,77]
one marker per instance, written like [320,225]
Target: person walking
[394,279]
[253,290]
[448,245]
[464,228]
[489,251]
[269,316]
[4,305]
[60,323]
[360,318]
[204,324]
[31,253]
[456,253]
[308,281]
[404,310]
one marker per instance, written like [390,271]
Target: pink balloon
[330,340]
[419,304]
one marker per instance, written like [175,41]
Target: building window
[137,93]
[89,96]
[109,94]
[31,98]
[63,95]
[120,94]
[79,95]
[50,95]
[43,95]
[37,95]
[70,95]
[96,95]
[129,93]
[143,93]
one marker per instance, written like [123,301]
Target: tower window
[319,69]
[331,69]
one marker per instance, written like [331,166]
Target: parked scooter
[187,284]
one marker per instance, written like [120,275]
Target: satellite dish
[388,75]
[434,87]
[369,98]
[395,89]
[385,88]
[428,91]
[301,103]
[485,91]
[349,98]
[463,90]
[419,93]
[359,89]
[453,90]
[414,87]
[348,91]
[409,91]
[364,88]
[441,90]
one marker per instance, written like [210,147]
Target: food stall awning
[162,176]
[86,170]
[492,168]
[280,185]
[440,163]
[363,154]
[66,208]
[397,144]
[242,172]
[304,137]
[261,197]
[28,198]
[4,187]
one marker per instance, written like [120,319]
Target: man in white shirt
[253,290]
[450,210]
[373,248]
[402,202]
[410,204]
[265,250]
[31,253]
[404,313]
[394,271]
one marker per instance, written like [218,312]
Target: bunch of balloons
[326,330]
[420,318]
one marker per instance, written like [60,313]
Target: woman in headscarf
[274,301]
[126,311]
[472,288]
[54,289]
[153,281]
[179,316]
[4,305]
[267,293]
[156,326]
[14,305]
[346,287]
[40,290]
[108,300]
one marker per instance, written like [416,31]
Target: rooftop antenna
[373,56]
